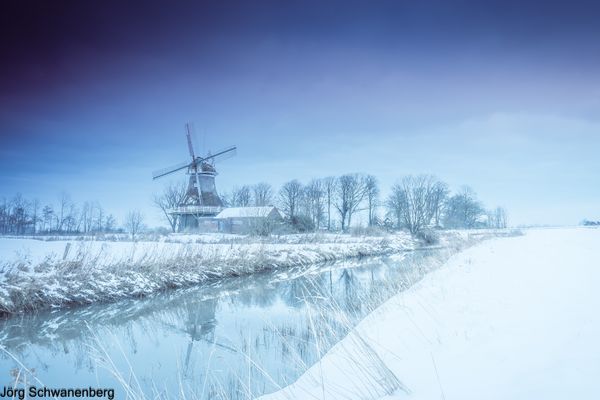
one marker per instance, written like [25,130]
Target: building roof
[247,212]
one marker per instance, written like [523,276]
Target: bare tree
[349,195]
[497,218]
[47,218]
[501,218]
[396,205]
[329,184]
[439,195]
[4,216]
[241,196]
[134,222]
[71,218]
[463,210]
[263,194]
[171,196]
[98,223]
[372,195]
[35,207]
[64,205]
[18,214]
[314,197]
[289,196]
[86,217]
[415,201]
[109,223]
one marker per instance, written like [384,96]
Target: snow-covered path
[511,318]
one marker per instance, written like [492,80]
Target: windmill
[201,199]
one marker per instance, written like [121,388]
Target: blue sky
[502,96]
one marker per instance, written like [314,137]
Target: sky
[501,96]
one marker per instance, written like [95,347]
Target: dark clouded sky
[503,96]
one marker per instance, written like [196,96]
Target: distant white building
[247,219]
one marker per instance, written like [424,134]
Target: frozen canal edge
[508,318]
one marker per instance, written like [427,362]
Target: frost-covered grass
[38,274]
[53,273]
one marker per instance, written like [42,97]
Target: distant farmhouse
[202,210]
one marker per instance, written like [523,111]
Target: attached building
[248,219]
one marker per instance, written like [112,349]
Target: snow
[510,318]
[246,212]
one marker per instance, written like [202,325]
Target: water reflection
[234,338]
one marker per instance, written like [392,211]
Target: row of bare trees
[320,201]
[414,203]
[20,216]
[260,194]
[421,201]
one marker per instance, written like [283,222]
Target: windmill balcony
[196,210]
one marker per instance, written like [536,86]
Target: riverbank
[507,319]
[36,274]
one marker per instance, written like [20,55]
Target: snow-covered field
[511,318]
[52,273]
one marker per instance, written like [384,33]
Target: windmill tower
[201,199]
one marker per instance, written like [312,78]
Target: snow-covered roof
[247,212]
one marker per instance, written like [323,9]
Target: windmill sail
[169,170]
[220,155]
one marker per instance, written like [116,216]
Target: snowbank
[512,318]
